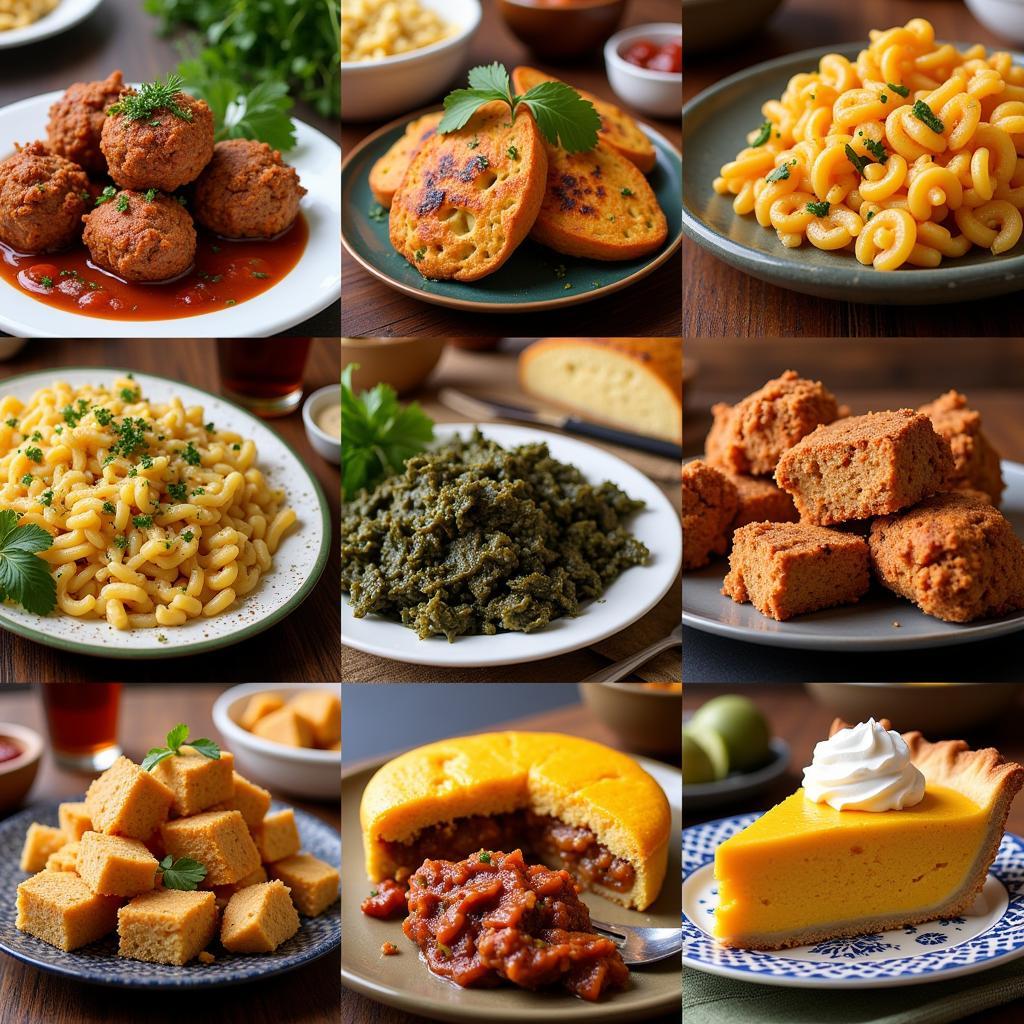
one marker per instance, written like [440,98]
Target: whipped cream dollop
[864,768]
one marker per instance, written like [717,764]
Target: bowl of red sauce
[562,28]
[21,749]
[645,67]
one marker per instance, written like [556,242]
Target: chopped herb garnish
[378,213]
[129,394]
[625,192]
[781,173]
[209,427]
[859,162]
[926,116]
[900,90]
[512,152]
[12,422]
[485,858]
[46,281]
[27,479]
[120,541]
[877,150]
[764,133]
[178,491]
[122,203]
[151,97]
[191,455]
[199,490]
[141,521]
[818,209]
[149,195]
[260,274]
[36,436]
[419,254]
[46,498]
[108,507]
[35,454]
[106,195]
[187,536]
[103,416]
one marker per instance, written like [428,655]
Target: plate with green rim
[534,277]
[715,127]
[298,563]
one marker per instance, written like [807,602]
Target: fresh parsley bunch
[24,577]
[564,118]
[176,739]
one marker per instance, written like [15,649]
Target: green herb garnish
[108,507]
[877,150]
[764,133]
[818,209]
[926,115]
[859,162]
[184,873]
[176,739]
[35,454]
[781,173]
[106,195]
[24,577]
[900,90]
[150,97]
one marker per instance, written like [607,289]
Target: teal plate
[715,126]
[534,277]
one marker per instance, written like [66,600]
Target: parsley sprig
[151,97]
[183,873]
[176,739]
[24,577]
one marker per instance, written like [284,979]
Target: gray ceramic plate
[403,981]
[715,126]
[880,621]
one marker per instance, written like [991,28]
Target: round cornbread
[581,783]
[387,173]
[471,196]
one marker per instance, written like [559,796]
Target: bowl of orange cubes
[287,735]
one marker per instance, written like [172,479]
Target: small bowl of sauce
[20,751]
[321,415]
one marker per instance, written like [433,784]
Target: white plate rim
[65,15]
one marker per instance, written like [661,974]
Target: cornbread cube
[259,918]
[251,800]
[313,884]
[126,801]
[225,892]
[709,507]
[74,820]
[166,926]
[259,706]
[65,859]
[219,840]
[322,710]
[40,842]
[59,908]
[155,845]
[115,866]
[336,745]
[285,726]
[761,501]
[197,782]
[277,836]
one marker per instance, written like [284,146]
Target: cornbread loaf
[709,507]
[387,173]
[634,383]
[59,908]
[259,918]
[167,926]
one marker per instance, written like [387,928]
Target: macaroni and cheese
[371,29]
[157,516]
[911,154]
[19,13]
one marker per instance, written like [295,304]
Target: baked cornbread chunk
[313,883]
[471,196]
[219,840]
[975,461]
[259,918]
[285,726]
[40,842]
[65,859]
[387,173]
[127,801]
[277,836]
[251,800]
[258,706]
[197,782]
[321,709]
[750,436]
[576,804]
[955,556]
[167,926]
[59,908]
[789,569]
[865,466]
[114,865]
[74,819]
[225,892]
[710,502]
[761,501]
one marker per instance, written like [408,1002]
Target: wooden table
[494,375]
[574,720]
[302,647]
[648,308]
[305,996]
[719,300]
[802,722]
[119,34]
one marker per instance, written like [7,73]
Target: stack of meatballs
[140,228]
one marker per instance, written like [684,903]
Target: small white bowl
[325,445]
[1004,17]
[298,771]
[375,89]
[658,93]
[18,774]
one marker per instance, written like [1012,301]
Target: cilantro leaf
[154,756]
[177,736]
[461,104]
[206,747]
[176,739]
[183,873]
[564,117]
[24,577]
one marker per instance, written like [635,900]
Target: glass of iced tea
[82,720]
[263,375]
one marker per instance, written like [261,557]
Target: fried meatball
[141,239]
[42,199]
[247,191]
[162,150]
[76,121]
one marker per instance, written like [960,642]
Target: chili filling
[387,900]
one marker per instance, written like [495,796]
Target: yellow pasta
[157,516]
[910,155]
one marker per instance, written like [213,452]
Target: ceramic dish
[65,15]
[634,593]
[1004,17]
[642,717]
[99,963]
[656,93]
[311,285]
[987,935]
[716,122]
[327,446]
[297,565]
[880,621]
[739,785]
[404,982]
[19,773]
[534,277]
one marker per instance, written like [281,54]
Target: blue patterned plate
[992,931]
[99,962]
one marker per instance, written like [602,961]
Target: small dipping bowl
[404,363]
[326,445]
[18,774]
[645,718]
[658,93]
[562,28]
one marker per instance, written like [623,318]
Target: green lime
[697,766]
[741,725]
[713,746]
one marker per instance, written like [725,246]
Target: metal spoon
[614,673]
[640,946]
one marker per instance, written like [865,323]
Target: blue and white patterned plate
[992,931]
[99,962]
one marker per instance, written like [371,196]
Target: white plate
[65,15]
[297,565]
[630,596]
[869,625]
[311,285]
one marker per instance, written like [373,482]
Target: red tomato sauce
[645,54]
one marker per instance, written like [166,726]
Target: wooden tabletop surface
[719,300]
[305,996]
[575,720]
[648,308]
[120,34]
[304,646]
[493,374]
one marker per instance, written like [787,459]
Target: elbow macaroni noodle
[156,517]
[911,154]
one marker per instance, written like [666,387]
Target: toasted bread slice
[470,197]
[618,129]
[598,205]
[387,173]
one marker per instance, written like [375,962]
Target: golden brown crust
[387,173]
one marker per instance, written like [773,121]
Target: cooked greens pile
[475,538]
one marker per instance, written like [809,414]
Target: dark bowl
[568,29]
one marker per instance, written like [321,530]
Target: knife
[479,408]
